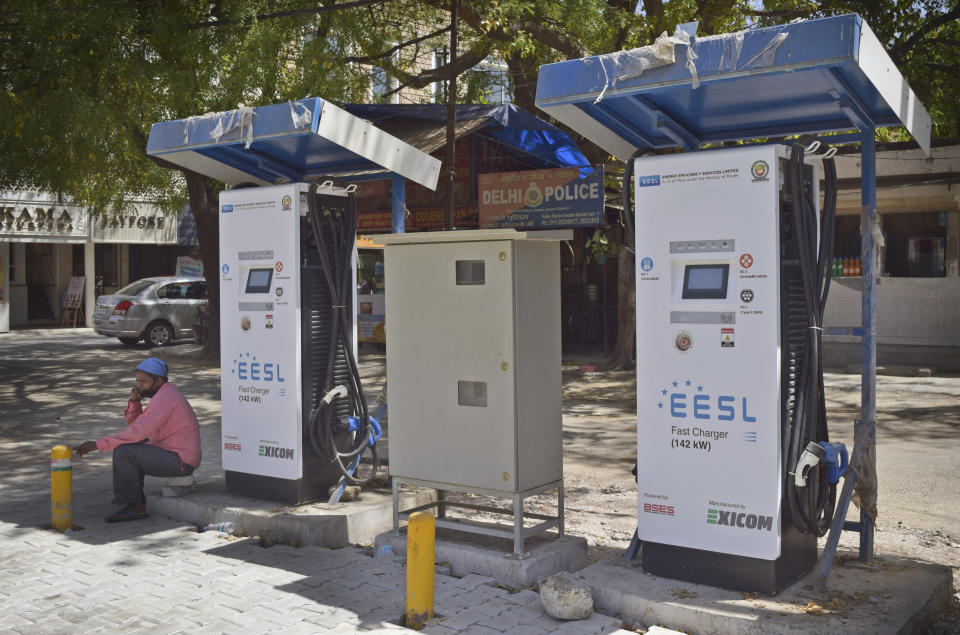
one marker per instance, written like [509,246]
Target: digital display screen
[258,280]
[705,282]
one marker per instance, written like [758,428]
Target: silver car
[156,310]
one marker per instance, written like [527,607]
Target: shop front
[918,291]
[45,242]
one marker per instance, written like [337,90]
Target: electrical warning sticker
[726,337]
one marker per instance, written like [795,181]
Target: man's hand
[85,448]
[135,394]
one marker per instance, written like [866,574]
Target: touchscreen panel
[705,282]
[258,280]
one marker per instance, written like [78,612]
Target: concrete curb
[892,595]
[332,526]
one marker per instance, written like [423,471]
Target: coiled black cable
[812,506]
[335,234]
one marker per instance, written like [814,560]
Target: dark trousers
[133,461]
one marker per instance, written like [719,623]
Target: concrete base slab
[890,595]
[466,553]
[334,526]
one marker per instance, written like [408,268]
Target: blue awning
[824,75]
[518,132]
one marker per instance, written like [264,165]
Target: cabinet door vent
[472,393]
[471,272]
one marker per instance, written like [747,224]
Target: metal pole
[864,439]
[868,308]
[398,208]
[421,540]
[451,115]
[61,488]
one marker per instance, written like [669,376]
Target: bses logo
[232,447]
[653,508]
[246,367]
[275,452]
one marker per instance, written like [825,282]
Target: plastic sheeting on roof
[519,130]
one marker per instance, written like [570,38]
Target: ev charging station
[275,339]
[736,476]
[295,423]
[721,328]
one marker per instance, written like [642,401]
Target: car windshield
[135,288]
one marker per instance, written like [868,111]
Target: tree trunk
[622,356]
[203,203]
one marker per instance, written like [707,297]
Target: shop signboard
[74,296]
[542,199]
[143,224]
[27,216]
[188,267]
[435,217]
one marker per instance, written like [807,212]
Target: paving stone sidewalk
[157,576]
[161,576]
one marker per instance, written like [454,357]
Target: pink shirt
[168,422]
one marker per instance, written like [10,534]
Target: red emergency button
[683,341]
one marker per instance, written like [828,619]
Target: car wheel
[158,334]
[129,341]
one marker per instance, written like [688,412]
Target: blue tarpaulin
[517,131]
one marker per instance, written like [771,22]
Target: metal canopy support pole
[868,308]
[398,187]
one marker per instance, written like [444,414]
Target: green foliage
[83,82]
[598,245]
[922,36]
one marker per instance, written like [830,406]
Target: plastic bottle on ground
[226,527]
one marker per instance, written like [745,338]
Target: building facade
[44,242]
[918,291]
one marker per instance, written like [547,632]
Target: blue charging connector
[836,460]
[353,425]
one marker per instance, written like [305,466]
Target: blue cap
[154,366]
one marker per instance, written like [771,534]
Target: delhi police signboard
[547,199]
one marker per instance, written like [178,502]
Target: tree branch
[784,13]
[290,13]
[541,32]
[369,59]
[930,25]
[442,73]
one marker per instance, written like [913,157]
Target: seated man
[161,440]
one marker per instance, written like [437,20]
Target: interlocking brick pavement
[158,575]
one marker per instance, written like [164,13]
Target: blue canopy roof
[302,140]
[822,75]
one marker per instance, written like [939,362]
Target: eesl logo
[247,368]
[275,452]
[232,447]
[648,180]
[226,209]
[652,508]
[689,399]
[739,519]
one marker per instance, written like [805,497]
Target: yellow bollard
[61,488]
[421,535]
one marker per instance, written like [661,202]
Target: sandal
[126,514]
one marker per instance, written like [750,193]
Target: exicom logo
[739,519]
[275,452]
[247,367]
